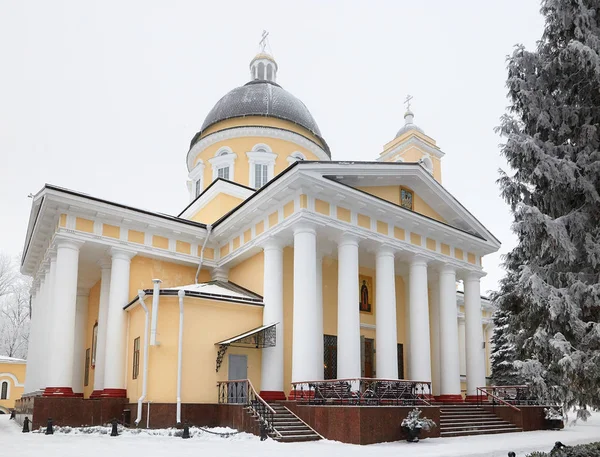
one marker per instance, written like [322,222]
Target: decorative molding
[268,132]
[11,376]
[261,158]
[222,161]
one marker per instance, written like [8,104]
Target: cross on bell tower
[263,67]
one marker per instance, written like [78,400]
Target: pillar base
[114,393]
[474,399]
[301,395]
[58,392]
[272,395]
[96,394]
[449,398]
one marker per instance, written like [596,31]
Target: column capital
[67,243]
[418,260]
[472,276]
[122,254]
[385,250]
[273,244]
[447,269]
[304,227]
[347,238]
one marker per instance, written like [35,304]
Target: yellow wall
[14,392]
[93,306]
[249,273]
[413,153]
[392,194]
[240,146]
[205,323]
[217,207]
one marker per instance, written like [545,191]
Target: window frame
[224,158]
[4,390]
[412,200]
[261,154]
[136,358]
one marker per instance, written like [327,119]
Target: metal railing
[242,392]
[363,391]
[506,396]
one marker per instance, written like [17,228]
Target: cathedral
[285,267]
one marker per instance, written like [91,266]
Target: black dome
[262,98]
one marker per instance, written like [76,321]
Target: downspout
[141,295]
[208,230]
[181,295]
[155,298]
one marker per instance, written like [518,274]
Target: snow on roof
[223,290]
[6,359]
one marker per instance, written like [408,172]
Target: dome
[262,97]
[409,124]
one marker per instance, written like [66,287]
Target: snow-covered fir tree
[504,372]
[552,131]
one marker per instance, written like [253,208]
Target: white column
[473,335]
[46,313]
[434,298]
[305,345]
[319,318]
[461,347]
[449,343]
[348,338]
[115,355]
[100,359]
[406,280]
[420,354]
[386,357]
[81,315]
[62,321]
[272,358]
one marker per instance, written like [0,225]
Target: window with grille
[260,175]
[4,393]
[329,356]
[223,173]
[88,355]
[136,358]
[400,362]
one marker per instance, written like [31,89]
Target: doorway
[238,370]
[367,357]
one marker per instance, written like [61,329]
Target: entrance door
[238,369]
[369,352]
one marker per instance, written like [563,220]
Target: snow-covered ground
[13,442]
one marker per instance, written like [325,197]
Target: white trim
[261,158]
[413,140]
[368,326]
[220,187]
[196,175]
[295,157]
[268,132]
[13,377]
[222,161]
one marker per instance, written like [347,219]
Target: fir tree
[552,131]
[504,372]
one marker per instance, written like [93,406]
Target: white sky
[104,97]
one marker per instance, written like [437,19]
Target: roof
[262,98]
[6,359]
[238,338]
[212,290]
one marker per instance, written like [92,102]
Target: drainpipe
[141,295]
[181,295]
[208,230]
[155,298]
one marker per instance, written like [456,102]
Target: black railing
[363,391]
[242,392]
[511,396]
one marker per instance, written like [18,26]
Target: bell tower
[263,67]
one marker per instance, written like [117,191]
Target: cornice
[256,131]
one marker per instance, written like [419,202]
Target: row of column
[56,359]
[307,335]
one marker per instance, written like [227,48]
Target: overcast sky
[104,97]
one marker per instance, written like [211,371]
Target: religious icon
[365,284]
[406,198]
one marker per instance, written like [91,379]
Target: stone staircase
[469,419]
[289,427]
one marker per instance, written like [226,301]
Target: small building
[12,382]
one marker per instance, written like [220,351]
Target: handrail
[495,397]
[259,398]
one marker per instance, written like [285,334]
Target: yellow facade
[12,380]
[220,205]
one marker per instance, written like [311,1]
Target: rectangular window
[86,379]
[4,393]
[260,175]
[223,173]
[198,187]
[136,357]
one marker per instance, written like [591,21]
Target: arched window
[427,163]
[4,391]
[296,157]
[270,72]
[262,165]
[222,163]
[261,70]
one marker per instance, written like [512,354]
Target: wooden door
[369,356]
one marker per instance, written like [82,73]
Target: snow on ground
[159,444]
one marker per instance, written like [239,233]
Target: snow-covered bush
[552,414]
[583,450]
[413,421]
